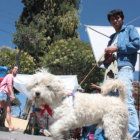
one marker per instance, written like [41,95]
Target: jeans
[99,134]
[4,96]
[126,75]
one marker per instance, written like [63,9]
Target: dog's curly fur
[110,112]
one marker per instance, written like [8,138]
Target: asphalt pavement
[19,135]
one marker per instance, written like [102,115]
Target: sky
[92,12]
[9,13]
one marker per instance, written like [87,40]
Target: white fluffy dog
[82,109]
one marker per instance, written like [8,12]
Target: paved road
[18,135]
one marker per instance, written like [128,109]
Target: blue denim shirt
[128,45]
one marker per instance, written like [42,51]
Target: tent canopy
[70,82]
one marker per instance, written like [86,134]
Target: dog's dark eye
[36,84]
[48,86]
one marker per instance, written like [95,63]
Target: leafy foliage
[72,57]
[43,22]
[8,58]
[29,40]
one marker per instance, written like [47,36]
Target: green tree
[31,41]
[43,22]
[73,57]
[8,58]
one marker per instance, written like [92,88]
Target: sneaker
[46,133]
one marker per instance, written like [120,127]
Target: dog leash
[91,70]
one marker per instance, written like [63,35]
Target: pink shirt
[7,82]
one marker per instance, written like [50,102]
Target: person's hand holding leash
[111,49]
[12,98]
[109,57]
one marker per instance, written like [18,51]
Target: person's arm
[132,45]
[10,87]
[109,57]
[11,93]
[106,58]
[111,49]
[95,86]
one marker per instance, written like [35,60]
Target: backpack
[3,72]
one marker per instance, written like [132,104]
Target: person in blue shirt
[127,44]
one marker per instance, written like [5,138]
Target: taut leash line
[91,70]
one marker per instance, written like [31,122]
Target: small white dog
[81,109]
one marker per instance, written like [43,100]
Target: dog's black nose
[37,94]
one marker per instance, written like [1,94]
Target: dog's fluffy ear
[36,78]
[31,83]
[57,87]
